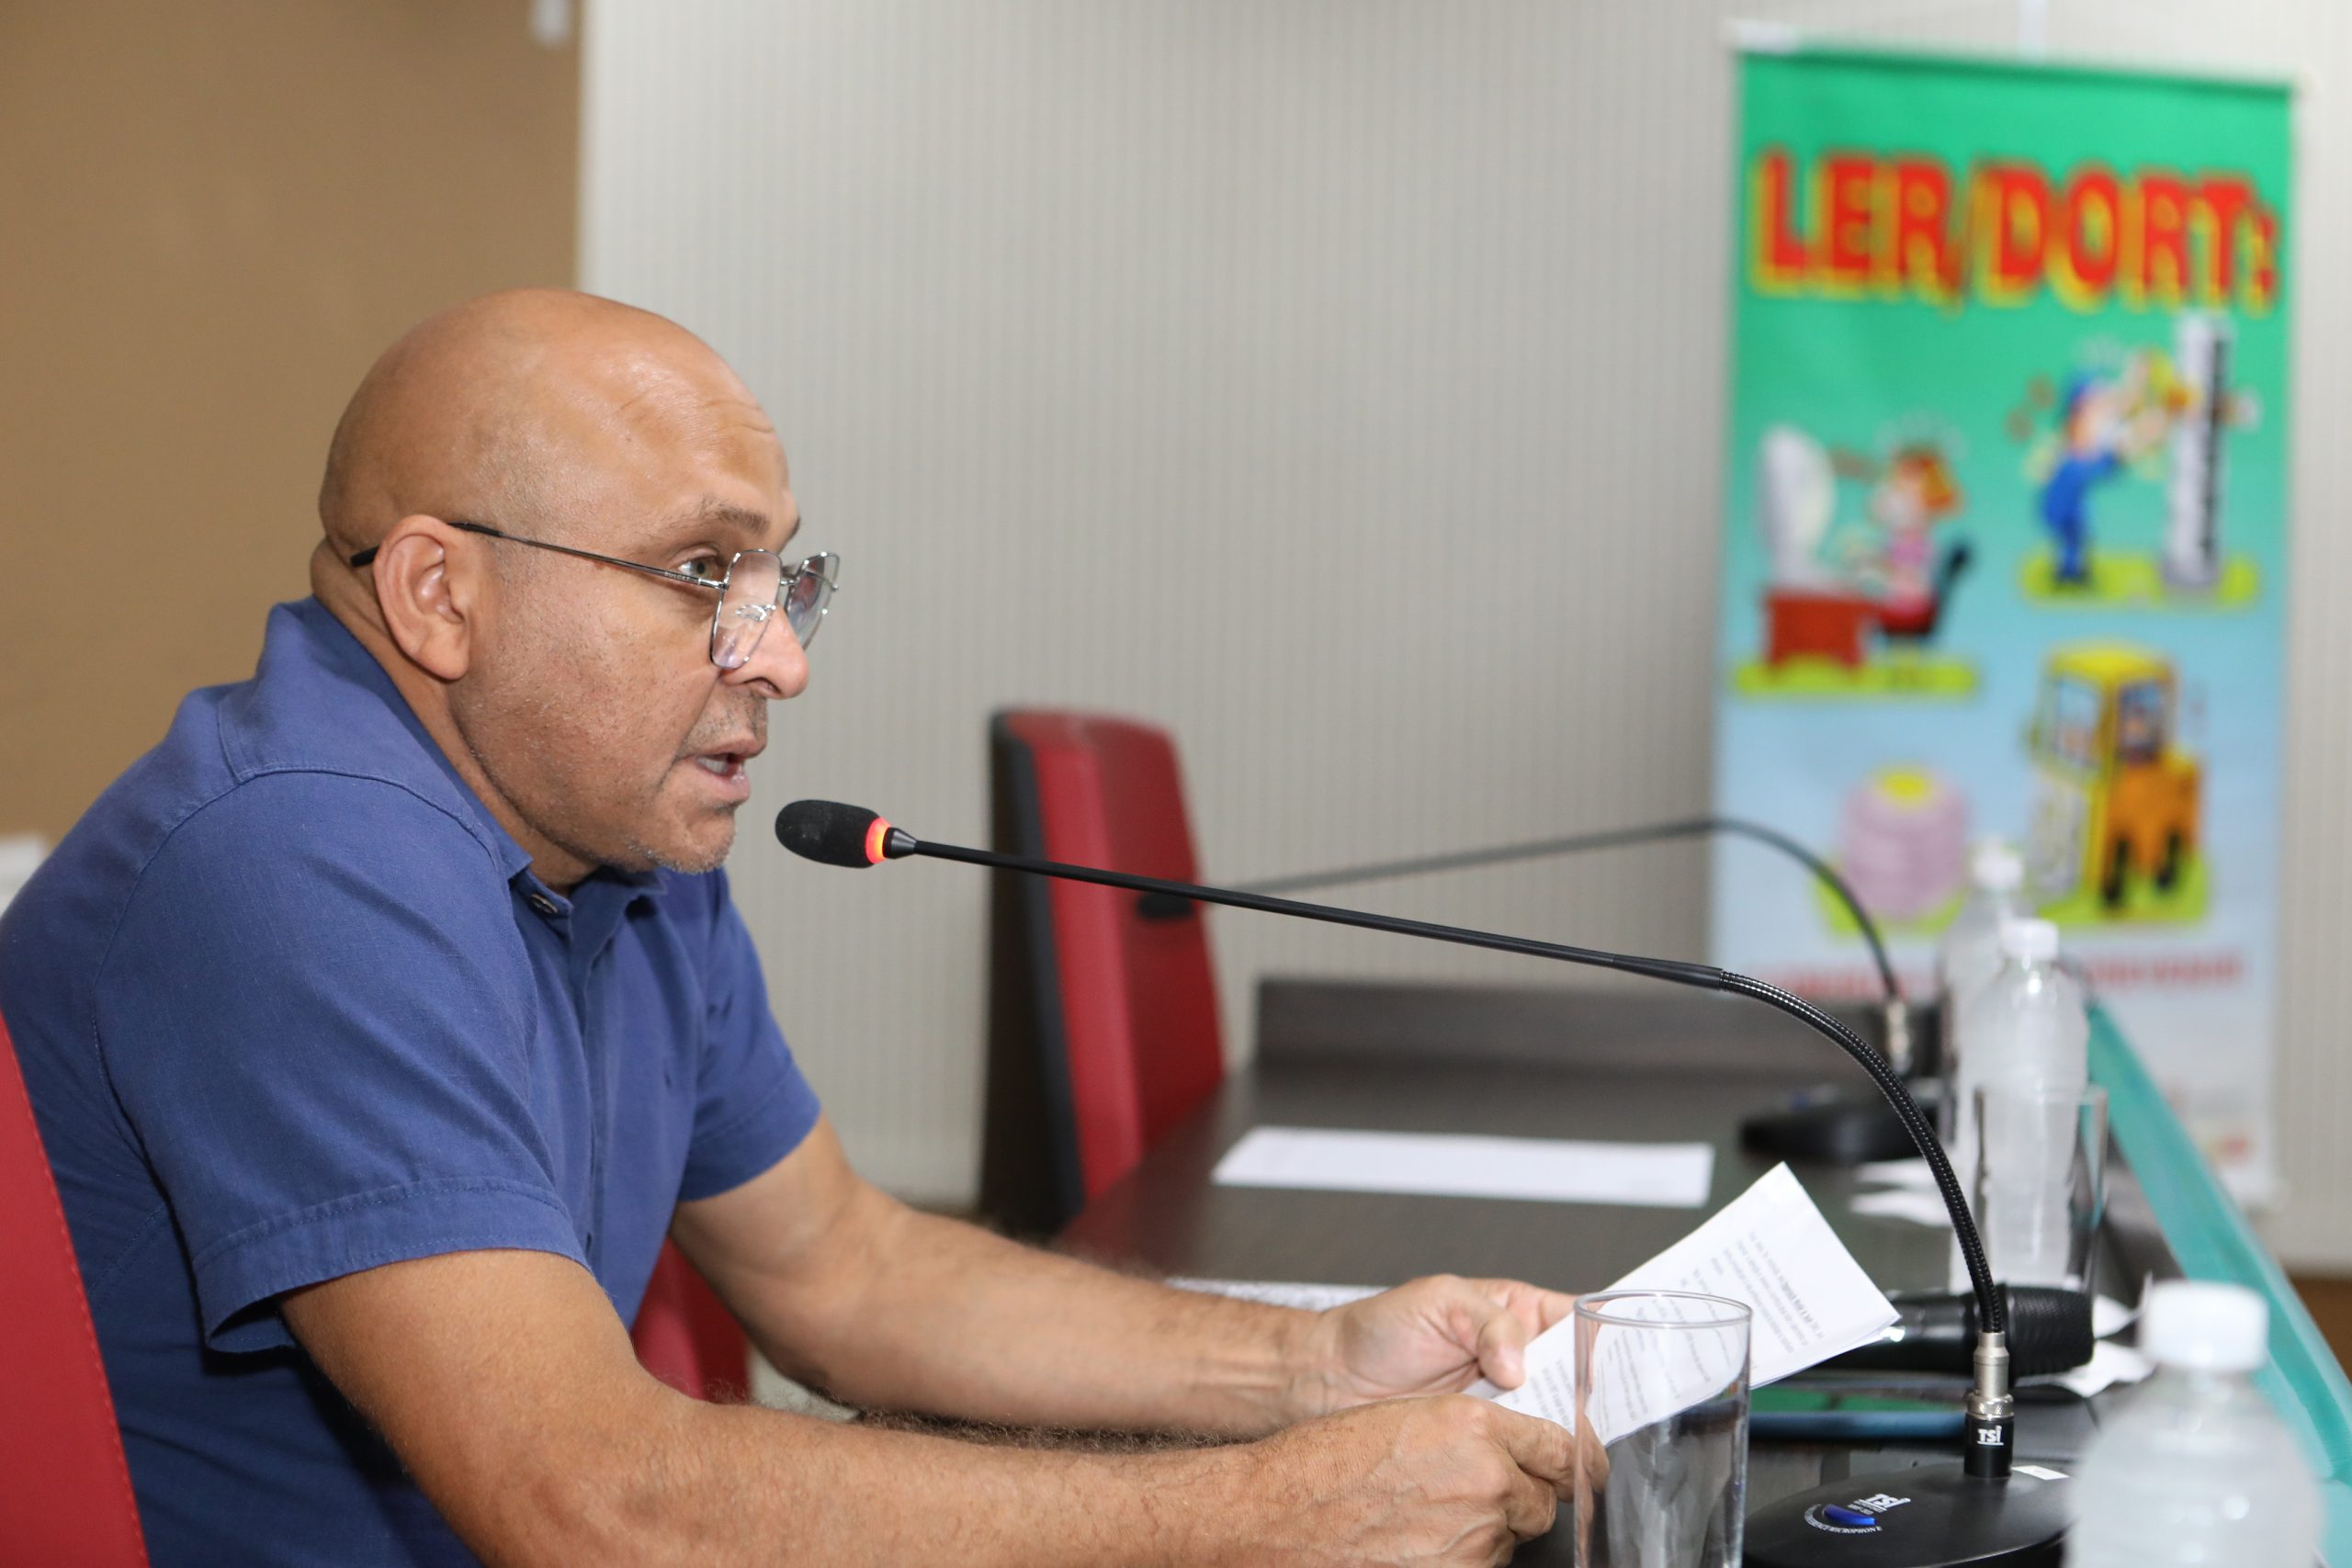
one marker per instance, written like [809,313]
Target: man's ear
[430,587]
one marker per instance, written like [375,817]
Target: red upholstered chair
[685,1335]
[1103,1026]
[64,1490]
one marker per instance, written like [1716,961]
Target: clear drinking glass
[1661,1429]
[2038,1183]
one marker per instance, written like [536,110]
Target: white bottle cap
[2030,941]
[1995,867]
[2205,1326]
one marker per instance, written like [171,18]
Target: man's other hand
[1447,1481]
[1434,1336]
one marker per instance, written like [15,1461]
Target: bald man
[383,1020]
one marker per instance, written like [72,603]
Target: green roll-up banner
[2005,533]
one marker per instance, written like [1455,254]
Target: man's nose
[778,663]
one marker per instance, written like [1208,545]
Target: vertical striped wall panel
[1337,383]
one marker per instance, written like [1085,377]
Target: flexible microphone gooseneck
[1898,1026]
[1834,1130]
[1976,1512]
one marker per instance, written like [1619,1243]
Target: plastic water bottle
[2025,1028]
[1970,952]
[2196,1471]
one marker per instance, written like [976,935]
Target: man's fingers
[1544,1450]
[1535,1306]
[1529,1506]
[1502,1341]
[1543,1453]
[1594,1458]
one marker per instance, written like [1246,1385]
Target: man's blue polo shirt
[291,1004]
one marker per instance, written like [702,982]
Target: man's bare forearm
[510,1391]
[727,1484]
[1417,1482]
[933,1315]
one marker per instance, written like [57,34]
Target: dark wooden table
[1644,1066]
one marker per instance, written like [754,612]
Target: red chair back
[65,1494]
[1103,1029]
[64,1489]
[685,1335]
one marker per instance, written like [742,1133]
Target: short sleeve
[316,1015]
[751,1105]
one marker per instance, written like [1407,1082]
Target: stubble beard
[698,864]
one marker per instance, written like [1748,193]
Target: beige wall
[213,214]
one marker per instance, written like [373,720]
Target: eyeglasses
[757,584]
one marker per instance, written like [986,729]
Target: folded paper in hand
[1769,1249]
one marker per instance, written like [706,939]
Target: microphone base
[1838,1130]
[1947,1518]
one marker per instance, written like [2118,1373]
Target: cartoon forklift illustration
[2113,799]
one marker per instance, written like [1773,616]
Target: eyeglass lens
[744,608]
[752,585]
[804,604]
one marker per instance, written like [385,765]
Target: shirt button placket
[592,1045]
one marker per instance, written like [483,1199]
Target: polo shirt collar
[310,652]
[336,646]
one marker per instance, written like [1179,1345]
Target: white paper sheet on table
[2109,1364]
[1903,1203]
[1454,1165]
[1912,1173]
[1906,1190]
[2110,1317]
[1768,1247]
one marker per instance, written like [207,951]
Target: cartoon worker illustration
[2157,416]
[1914,493]
[2105,425]
[1831,587]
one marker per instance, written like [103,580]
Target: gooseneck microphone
[1976,1512]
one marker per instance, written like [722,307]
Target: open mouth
[725,765]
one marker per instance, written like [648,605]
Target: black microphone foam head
[2048,1329]
[832,833]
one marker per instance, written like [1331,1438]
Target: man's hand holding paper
[1438,1334]
[1769,1249]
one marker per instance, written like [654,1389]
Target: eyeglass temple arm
[368,555]
[789,572]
